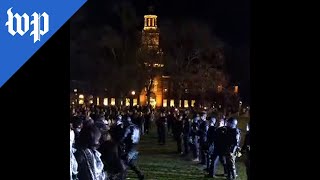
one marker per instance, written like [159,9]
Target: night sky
[229,19]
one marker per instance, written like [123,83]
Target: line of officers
[210,141]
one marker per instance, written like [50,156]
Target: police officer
[202,132]
[246,150]
[130,141]
[210,139]
[194,137]
[232,144]
[177,129]
[218,138]
[186,133]
[161,127]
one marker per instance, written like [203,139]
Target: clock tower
[150,42]
[150,32]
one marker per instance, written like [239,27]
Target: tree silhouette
[193,57]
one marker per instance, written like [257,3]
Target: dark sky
[229,19]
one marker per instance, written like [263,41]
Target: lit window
[127,102]
[236,89]
[105,101]
[113,101]
[91,101]
[179,103]
[165,102]
[186,103]
[81,96]
[81,101]
[98,101]
[135,102]
[171,103]
[193,102]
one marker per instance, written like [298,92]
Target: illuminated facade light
[171,103]
[127,102]
[81,96]
[133,93]
[165,103]
[150,22]
[158,65]
[75,90]
[165,90]
[236,89]
[81,101]
[113,101]
[193,102]
[135,102]
[91,101]
[186,103]
[98,101]
[105,101]
[72,102]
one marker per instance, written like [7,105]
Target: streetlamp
[132,98]
[240,104]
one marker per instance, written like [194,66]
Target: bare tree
[193,57]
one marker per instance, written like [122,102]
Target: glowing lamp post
[240,104]
[131,101]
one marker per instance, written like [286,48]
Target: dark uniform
[147,123]
[202,132]
[232,142]
[210,138]
[220,149]
[170,119]
[161,127]
[177,129]
[129,148]
[186,134]
[246,150]
[194,138]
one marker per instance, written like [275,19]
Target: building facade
[161,90]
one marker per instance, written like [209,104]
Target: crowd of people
[103,140]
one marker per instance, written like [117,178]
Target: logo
[23,24]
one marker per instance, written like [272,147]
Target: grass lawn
[160,162]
